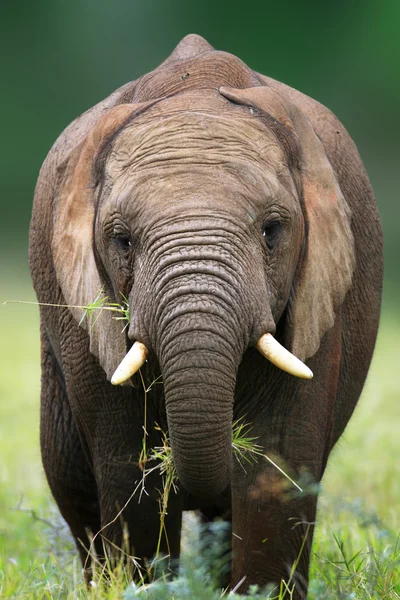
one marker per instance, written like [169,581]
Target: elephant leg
[272,534]
[68,472]
[273,520]
[110,420]
[131,526]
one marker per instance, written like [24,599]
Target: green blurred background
[60,58]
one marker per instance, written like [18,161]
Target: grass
[356,551]
[89,311]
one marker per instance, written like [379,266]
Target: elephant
[234,217]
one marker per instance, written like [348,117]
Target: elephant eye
[270,232]
[123,242]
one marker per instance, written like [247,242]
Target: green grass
[356,552]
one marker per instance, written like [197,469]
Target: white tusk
[282,358]
[130,364]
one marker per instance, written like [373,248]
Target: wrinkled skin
[223,205]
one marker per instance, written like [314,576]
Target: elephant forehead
[194,138]
[236,186]
[197,186]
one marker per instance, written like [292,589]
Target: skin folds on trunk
[199,332]
[199,383]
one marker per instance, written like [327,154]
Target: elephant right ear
[72,242]
[326,272]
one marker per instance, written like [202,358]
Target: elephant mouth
[267,345]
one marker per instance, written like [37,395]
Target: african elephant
[234,215]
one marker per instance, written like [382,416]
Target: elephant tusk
[282,358]
[130,364]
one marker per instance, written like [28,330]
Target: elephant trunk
[199,384]
[199,329]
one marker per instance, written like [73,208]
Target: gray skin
[224,205]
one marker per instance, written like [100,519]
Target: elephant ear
[72,242]
[325,273]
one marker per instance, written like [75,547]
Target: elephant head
[218,214]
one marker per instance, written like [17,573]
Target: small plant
[244,446]
[99,304]
[169,476]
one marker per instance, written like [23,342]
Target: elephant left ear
[72,243]
[325,273]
